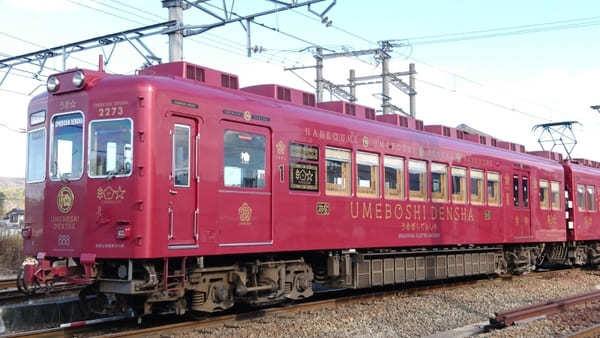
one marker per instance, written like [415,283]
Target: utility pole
[385,82]
[352,84]
[176,35]
[385,77]
[248,41]
[319,80]
[412,93]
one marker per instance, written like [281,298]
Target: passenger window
[525,183]
[591,198]
[181,156]
[516,190]
[581,197]
[244,160]
[439,182]
[110,148]
[493,188]
[367,174]
[417,178]
[338,171]
[36,155]
[459,185]
[544,200]
[555,187]
[394,177]
[476,186]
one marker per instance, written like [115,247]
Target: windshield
[36,155]
[110,150]
[67,147]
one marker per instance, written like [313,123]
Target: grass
[11,252]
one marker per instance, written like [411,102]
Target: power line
[477,98]
[508,30]
[16,130]
[464,78]
[216,40]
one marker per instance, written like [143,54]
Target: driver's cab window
[244,160]
[66,152]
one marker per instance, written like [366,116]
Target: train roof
[184,76]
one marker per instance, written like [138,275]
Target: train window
[555,188]
[459,185]
[493,188]
[516,190]
[417,178]
[181,156]
[338,171]
[394,177]
[476,186]
[244,160]
[367,174]
[581,197]
[591,198]
[109,148]
[66,151]
[36,155]
[544,200]
[525,183]
[439,182]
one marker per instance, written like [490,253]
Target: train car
[582,193]
[174,190]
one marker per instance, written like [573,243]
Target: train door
[183,210]
[244,196]
[522,206]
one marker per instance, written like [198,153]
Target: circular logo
[65,199]
[247,116]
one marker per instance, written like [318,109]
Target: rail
[508,318]
[8,284]
[336,298]
[592,331]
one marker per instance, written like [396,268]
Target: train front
[79,178]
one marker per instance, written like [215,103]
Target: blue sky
[513,81]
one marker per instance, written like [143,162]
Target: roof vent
[193,72]
[350,109]
[418,125]
[370,113]
[283,93]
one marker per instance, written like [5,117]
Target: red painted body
[583,219]
[154,218]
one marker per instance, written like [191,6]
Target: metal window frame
[45,154]
[189,129]
[266,153]
[90,148]
[50,152]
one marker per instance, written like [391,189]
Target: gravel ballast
[420,314]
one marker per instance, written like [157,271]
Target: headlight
[78,79]
[52,84]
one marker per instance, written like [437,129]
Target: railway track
[508,318]
[592,331]
[336,298]
[8,290]
[8,284]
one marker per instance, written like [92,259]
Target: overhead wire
[455,75]
[508,30]
[227,45]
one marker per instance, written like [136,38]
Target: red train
[174,190]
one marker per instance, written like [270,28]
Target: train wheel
[28,290]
